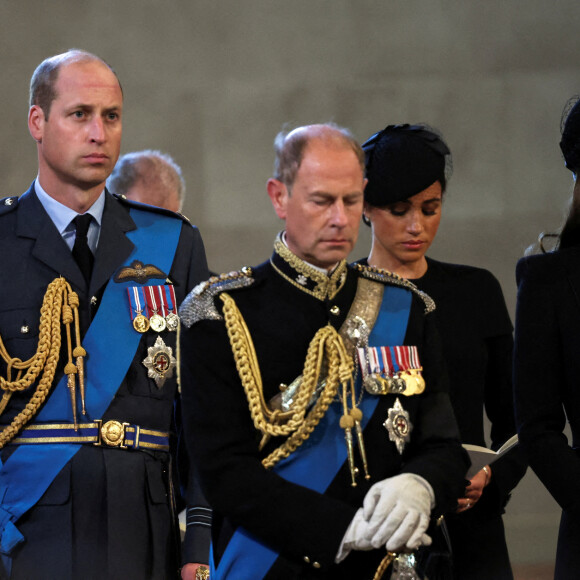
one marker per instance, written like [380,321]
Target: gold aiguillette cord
[385,563]
[70,314]
[59,306]
[352,418]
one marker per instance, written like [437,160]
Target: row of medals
[156,322]
[407,383]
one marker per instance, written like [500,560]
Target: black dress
[476,333]
[547,397]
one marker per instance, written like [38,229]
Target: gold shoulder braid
[326,346]
[385,276]
[59,303]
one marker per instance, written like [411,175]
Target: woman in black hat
[547,361]
[408,167]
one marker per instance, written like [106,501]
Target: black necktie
[81,251]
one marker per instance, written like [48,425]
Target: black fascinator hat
[403,160]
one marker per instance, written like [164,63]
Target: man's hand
[398,510]
[190,572]
[355,537]
[395,514]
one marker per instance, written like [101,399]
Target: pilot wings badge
[139,272]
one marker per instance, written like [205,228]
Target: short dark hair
[43,81]
[290,146]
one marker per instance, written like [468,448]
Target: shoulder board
[146,207]
[199,303]
[8,204]
[386,277]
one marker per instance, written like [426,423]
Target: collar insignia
[304,276]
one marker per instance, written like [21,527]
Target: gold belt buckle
[112,433]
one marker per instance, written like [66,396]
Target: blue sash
[111,346]
[245,557]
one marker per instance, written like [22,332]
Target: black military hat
[403,160]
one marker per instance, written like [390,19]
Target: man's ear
[278,193]
[36,122]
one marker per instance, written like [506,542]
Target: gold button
[315,565]
[24,329]
[93,300]
[307,559]
[335,310]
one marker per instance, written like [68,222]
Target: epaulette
[8,204]
[146,207]
[386,277]
[199,303]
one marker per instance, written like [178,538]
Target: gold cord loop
[45,360]
[326,350]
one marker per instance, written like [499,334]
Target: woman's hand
[474,490]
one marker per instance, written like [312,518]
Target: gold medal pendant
[141,323]
[157,323]
[160,362]
[415,375]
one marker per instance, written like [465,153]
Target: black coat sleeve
[190,267]
[435,452]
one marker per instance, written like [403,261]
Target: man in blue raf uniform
[88,317]
[317,412]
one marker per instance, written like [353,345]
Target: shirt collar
[61,215]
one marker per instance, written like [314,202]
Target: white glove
[355,537]
[397,512]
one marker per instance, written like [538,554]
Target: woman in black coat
[547,363]
[407,168]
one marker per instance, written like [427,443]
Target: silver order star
[399,426]
[160,362]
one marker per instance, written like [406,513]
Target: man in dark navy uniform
[310,472]
[85,478]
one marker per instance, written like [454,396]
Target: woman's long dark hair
[570,146]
